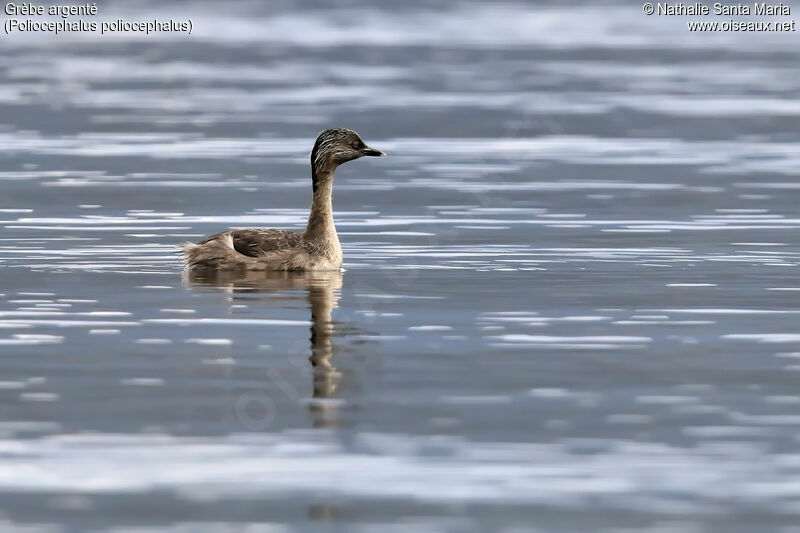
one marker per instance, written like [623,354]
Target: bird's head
[336,146]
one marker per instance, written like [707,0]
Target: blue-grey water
[570,297]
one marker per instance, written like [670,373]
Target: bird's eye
[356,145]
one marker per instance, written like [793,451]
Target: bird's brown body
[317,248]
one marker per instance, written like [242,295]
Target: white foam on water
[724,311]
[765,337]
[153,341]
[38,397]
[31,340]
[607,339]
[210,342]
[386,466]
[143,382]
[664,322]
[65,323]
[38,337]
[226,321]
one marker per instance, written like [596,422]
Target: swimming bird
[317,248]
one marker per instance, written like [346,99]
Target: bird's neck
[320,222]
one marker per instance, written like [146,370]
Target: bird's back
[256,242]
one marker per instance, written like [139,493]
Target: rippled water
[570,296]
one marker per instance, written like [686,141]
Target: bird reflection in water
[323,290]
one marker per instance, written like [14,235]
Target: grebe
[317,248]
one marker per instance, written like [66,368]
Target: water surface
[569,300]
